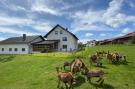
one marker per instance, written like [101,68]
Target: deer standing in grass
[65,77]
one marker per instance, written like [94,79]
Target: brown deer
[94,73]
[115,57]
[68,64]
[77,65]
[94,59]
[110,57]
[65,77]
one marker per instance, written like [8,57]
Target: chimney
[24,37]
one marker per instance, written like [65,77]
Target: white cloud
[7,20]
[18,8]
[131,4]
[38,26]
[40,6]
[126,30]
[113,9]
[80,26]
[112,15]
[12,6]
[89,34]
[88,18]
[73,4]
[118,35]
[123,32]
[116,21]
[42,27]
[1,38]
[130,18]
[103,34]
[15,31]
[86,22]
[101,20]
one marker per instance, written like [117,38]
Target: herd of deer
[112,57]
[77,65]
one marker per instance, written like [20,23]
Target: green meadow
[37,71]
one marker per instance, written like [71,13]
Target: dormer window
[56,32]
[61,32]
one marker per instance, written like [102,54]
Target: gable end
[63,29]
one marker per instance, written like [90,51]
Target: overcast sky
[87,19]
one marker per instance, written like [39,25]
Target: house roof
[47,42]
[18,40]
[63,29]
[125,36]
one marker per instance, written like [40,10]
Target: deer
[65,77]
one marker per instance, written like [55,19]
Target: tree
[81,46]
[133,40]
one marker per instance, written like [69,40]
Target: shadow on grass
[104,86]
[7,59]
[125,62]
[79,81]
[121,63]
[34,83]
[104,67]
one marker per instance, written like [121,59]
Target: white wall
[71,41]
[13,46]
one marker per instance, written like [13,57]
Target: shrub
[44,50]
[133,40]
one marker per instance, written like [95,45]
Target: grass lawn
[37,71]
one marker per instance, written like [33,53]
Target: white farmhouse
[67,40]
[58,39]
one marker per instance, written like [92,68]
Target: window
[64,46]
[61,32]
[64,38]
[2,49]
[10,49]
[56,32]
[23,49]
[16,49]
